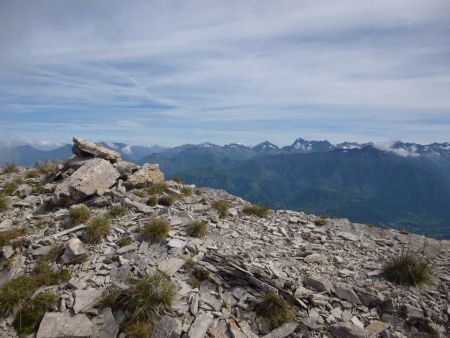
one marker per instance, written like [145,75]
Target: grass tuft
[407,269]
[7,236]
[10,187]
[79,214]
[118,211]
[256,210]
[32,173]
[10,169]
[156,230]
[275,310]
[3,203]
[187,191]
[152,201]
[45,169]
[166,201]
[28,319]
[197,229]
[222,208]
[98,228]
[125,240]
[177,179]
[157,188]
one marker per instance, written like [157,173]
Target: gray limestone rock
[83,148]
[348,330]
[86,299]
[282,331]
[148,174]
[165,327]
[64,324]
[105,325]
[317,283]
[347,293]
[74,253]
[200,325]
[170,266]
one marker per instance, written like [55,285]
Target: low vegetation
[177,179]
[32,173]
[28,319]
[157,188]
[152,201]
[321,221]
[221,207]
[118,211]
[407,269]
[10,187]
[166,201]
[45,169]
[143,303]
[79,214]
[156,230]
[98,228]
[199,274]
[3,203]
[197,229]
[275,310]
[125,240]
[6,237]
[256,210]
[187,191]
[10,169]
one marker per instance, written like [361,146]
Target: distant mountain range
[402,185]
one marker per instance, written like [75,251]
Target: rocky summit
[100,247]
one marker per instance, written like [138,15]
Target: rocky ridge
[329,271]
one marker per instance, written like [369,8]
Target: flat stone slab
[200,326]
[86,299]
[63,324]
[170,266]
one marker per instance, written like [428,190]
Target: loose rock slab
[148,174]
[82,148]
[63,324]
[92,177]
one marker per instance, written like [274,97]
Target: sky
[179,71]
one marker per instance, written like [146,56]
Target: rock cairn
[329,272]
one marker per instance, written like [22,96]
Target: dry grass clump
[125,240]
[177,179]
[275,310]
[156,230]
[45,169]
[197,229]
[199,274]
[10,169]
[32,173]
[7,236]
[3,203]
[28,319]
[97,229]
[157,188]
[10,187]
[118,211]
[79,214]
[139,193]
[407,269]
[152,201]
[222,208]
[187,191]
[256,210]
[143,303]
[320,221]
[166,201]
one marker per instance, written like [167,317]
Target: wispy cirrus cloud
[171,72]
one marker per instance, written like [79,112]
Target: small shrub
[256,210]
[3,203]
[10,169]
[140,329]
[28,319]
[187,191]
[54,253]
[97,229]
[407,269]
[404,231]
[7,236]
[152,201]
[275,310]
[320,221]
[43,274]
[37,187]
[197,229]
[157,188]
[45,169]
[41,224]
[222,208]
[15,292]
[126,240]
[157,230]
[10,187]
[118,211]
[139,193]
[32,173]
[79,214]
[178,179]
[166,201]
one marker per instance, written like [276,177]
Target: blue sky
[171,72]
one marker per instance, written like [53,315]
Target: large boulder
[63,324]
[148,174]
[83,148]
[94,176]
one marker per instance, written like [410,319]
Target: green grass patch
[4,204]
[157,188]
[256,210]
[124,241]
[156,230]
[28,319]
[10,169]
[197,229]
[221,207]
[6,237]
[275,310]
[407,269]
[98,228]
[118,211]
[166,201]
[79,214]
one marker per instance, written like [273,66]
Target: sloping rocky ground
[329,270]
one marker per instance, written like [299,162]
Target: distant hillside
[26,155]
